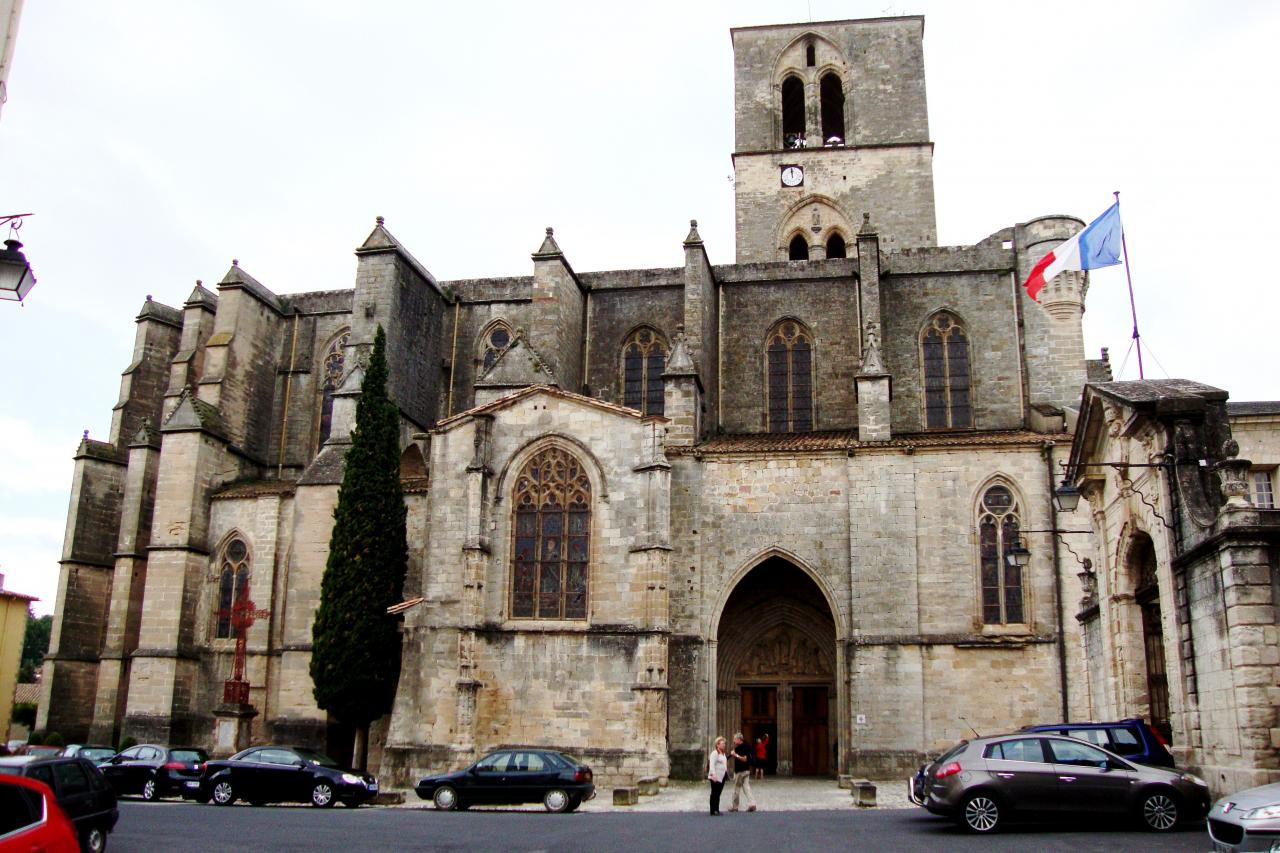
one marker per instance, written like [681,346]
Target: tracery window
[233,584]
[944,351]
[998,525]
[334,362]
[496,339]
[644,357]
[789,374]
[552,509]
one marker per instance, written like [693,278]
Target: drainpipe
[1057,583]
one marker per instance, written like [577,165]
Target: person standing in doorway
[762,754]
[717,768]
[742,774]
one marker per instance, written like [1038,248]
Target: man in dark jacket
[741,773]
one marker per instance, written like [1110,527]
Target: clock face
[792,176]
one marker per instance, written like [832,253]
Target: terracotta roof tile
[846,440]
[29,693]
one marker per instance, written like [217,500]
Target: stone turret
[701,323]
[1054,336]
[557,313]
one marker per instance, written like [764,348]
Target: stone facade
[1178,621]
[793,483]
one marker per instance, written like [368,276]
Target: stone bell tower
[830,122]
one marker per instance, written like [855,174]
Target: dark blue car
[1133,739]
[513,776]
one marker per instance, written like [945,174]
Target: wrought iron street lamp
[16,277]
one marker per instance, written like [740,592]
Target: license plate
[193,784]
[1219,847]
[373,786]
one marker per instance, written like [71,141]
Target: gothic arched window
[233,584]
[798,249]
[552,516]
[644,357]
[334,361]
[998,524]
[789,374]
[496,338]
[944,350]
[792,113]
[831,93]
[836,246]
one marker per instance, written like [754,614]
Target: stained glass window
[998,525]
[789,377]
[644,357]
[334,362]
[552,510]
[233,584]
[495,340]
[944,351]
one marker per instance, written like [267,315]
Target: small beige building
[13,630]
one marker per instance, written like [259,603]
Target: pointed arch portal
[776,669]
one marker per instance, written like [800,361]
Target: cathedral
[646,507]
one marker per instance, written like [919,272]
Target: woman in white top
[717,768]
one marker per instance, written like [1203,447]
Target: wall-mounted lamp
[1067,497]
[16,277]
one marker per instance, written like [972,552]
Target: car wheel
[446,798]
[94,840]
[1159,811]
[150,790]
[322,795]
[980,812]
[556,800]
[223,793]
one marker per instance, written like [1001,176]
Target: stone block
[845,782]
[648,786]
[864,794]
[626,796]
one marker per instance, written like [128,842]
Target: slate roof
[258,488]
[1141,391]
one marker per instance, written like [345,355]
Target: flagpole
[1132,309]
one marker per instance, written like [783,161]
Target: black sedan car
[152,771]
[511,777]
[79,788]
[273,774]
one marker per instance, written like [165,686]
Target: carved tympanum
[785,652]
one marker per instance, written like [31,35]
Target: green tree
[355,657]
[35,645]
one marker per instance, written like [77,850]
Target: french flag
[1098,245]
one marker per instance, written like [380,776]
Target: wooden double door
[799,738]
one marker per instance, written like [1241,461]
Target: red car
[30,819]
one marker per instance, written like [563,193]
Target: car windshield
[10,770]
[572,759]
[952,752]
[312,757]
[184,755]
[94,753]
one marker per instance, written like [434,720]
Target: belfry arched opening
[775,669]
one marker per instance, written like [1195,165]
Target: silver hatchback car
[1247,821]
[984,782]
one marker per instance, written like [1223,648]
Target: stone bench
[648,786]
[864,793]
[626,796]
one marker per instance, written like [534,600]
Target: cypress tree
[355,657]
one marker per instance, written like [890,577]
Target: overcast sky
[156,141]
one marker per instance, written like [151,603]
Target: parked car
[1249,820]
[30,818]
[271,774]
[513,776]
[152,771]
[1133,739]
[80,789]
[37,749]
[96,754]
[984,782]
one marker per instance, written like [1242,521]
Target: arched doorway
[776,669]
[1146,594]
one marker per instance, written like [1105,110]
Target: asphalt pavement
[173,826]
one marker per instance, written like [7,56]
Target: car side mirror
[299,763]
